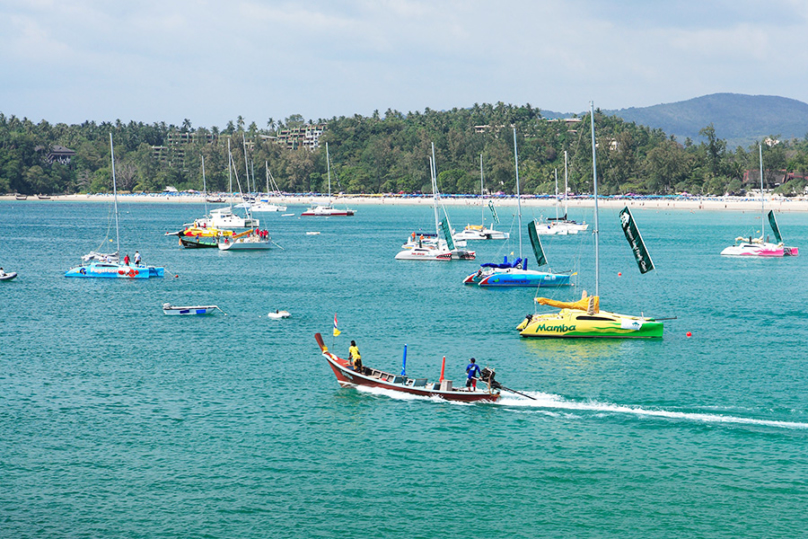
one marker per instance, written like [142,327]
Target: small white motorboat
[7,276]
[277,315]
[191,310]
[312,233]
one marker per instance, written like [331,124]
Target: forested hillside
[389,153]
[739,119]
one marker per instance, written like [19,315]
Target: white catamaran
[109,266]
[438,248]
[481,232]
[560,226]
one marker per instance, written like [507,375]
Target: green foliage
[390,152]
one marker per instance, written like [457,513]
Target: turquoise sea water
[118,421]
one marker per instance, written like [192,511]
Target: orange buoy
[689,334]
[619,274]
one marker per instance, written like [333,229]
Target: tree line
[389,153]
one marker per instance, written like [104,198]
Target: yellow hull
[574,323]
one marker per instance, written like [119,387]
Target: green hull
[573,324]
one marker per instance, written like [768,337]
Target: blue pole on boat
[404,362]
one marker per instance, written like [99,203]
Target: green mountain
[739,119]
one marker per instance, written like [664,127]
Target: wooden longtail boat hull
[347,377]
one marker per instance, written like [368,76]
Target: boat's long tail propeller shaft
[487,375]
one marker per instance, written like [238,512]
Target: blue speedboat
[516,273]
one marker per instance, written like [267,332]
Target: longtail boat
[369,377]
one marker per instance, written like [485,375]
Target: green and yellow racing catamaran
[583,318]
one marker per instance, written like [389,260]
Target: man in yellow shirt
[355,357]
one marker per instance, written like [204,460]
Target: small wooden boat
[7,276]
[368,377]
[21,197]
[191,310]
[43,197]
[277,315]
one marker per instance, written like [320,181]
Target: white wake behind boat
[190,310]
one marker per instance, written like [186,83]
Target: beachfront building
[296,138]
[56,154]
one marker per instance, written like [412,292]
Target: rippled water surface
[118,421]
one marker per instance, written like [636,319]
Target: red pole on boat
[442,368]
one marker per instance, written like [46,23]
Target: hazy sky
[147,60]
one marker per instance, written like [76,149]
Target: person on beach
[126,260]
[472,372]
[137,258]
[355,357]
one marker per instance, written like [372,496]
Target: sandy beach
[780,204]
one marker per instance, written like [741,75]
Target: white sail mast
[230,173]
[762,202]
[328,166]
[434,179]
[595,184]
[482,193]
[204,186]
[565,185]
[115,196]
[518,195]
[555,171]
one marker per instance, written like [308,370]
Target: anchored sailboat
[561,226]
[438,248]
[267,205]
[224,218]
[110,267]
[327,210]
[584,318]
[759,246]
[516,273]
[481,232]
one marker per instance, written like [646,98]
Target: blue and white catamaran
[109,265]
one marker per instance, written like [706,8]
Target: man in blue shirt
[472,372]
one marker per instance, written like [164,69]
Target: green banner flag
[775,228]
[493,211]
[534,241]
[635,241]
[444,225]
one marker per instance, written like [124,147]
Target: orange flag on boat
[336,331]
